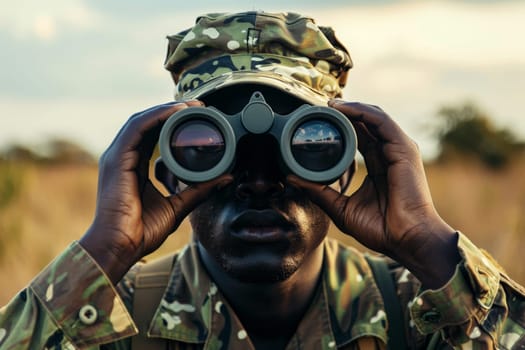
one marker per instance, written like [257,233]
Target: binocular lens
[197,145]
[317,145]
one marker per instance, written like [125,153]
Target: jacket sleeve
[70,304]
[479,308]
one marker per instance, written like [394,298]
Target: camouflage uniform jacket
[72,304]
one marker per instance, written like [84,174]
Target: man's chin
[261,272]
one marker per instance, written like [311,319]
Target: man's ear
[166,177]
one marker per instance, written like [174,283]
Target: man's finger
[328,199]
[185,201]
[377,122]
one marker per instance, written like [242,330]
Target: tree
[65,151]
[468,131]
[53,151]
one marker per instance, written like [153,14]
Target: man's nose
[258,172]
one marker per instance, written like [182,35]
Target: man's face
[258,228]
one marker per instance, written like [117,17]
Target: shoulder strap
[394,312]
[150,283]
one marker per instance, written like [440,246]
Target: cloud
[105,61]
[34,20]
[100,59]
[45,27]
[137,9]
[453,32]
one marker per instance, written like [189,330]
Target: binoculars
[316,143]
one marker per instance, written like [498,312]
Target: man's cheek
[208,217]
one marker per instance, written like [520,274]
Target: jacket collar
[347,306]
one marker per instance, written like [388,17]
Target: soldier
[260,271]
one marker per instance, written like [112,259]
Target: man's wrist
[434,259]
[106,256]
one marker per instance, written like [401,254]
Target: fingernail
[195,101]
[292,180]
[336,101]
[224,183]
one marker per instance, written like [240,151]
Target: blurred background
[452,73]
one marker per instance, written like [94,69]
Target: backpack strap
[394,312]
[151,281]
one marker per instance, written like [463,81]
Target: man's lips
[260,226]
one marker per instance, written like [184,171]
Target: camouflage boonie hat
[283,50]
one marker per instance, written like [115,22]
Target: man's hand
[392,212]
[132,217]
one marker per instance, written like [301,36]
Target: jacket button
[88,314]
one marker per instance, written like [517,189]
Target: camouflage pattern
[479,308]
[194,311]
[70,302]
[284,50]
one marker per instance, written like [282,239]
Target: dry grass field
[44,208]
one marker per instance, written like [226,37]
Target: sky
[78,69]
